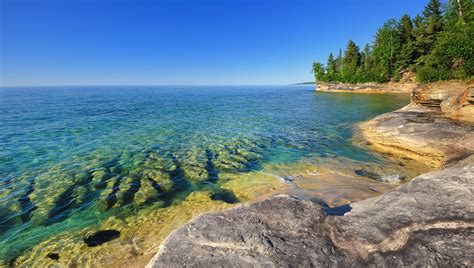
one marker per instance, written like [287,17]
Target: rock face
[425,129]
[392,87]
[454,99]
[422,133]
[427,222]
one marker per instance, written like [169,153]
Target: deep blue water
[121,149]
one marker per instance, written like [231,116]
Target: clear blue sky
[127,42]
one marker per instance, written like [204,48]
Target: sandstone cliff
[392,87]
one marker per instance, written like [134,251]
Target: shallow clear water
[72,157]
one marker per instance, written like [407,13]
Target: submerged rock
[53,256]
[226,196]
[426,222]
[100,237]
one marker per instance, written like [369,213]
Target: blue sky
[126,42]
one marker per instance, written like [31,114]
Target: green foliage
[452,56]
[436,45]
[406,56]
[318,71]
[331,72]
[386,46]
[350,63]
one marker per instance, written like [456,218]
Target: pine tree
[436,46]
[350,62]
[427,32]
[318,71]
[339,62]
[406,55]
[452,56]
[331,69]
[433,16]
[385,48]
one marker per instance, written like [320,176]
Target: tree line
[435,45]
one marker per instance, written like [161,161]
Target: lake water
[141,160]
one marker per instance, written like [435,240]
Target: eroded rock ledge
[437,127]
[429,222]
[392,87]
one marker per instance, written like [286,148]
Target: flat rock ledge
[426,222]
[421,133]
[436,128]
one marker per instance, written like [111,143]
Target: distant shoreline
[303,83]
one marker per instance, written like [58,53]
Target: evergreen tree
[339,62]
[406,55]
[433,16]
[365,71]
[434,45]
[318,71]
[427,32]
[386,46]
[452,56]
[331,69]
[350,62]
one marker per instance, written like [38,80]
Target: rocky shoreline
[428,221]
[391,87]
[425,130]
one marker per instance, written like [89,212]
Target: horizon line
[149,85]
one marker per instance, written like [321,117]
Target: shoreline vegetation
[435,45]
[400,227]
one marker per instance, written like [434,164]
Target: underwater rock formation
[101,237]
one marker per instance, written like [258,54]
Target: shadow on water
[114,163]
[212,173]
[112,197]
[27,207]
[181,186]
[68,201]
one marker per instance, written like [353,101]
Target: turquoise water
[72,157]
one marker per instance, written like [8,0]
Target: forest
[437,44]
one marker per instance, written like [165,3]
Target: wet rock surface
[429,221]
